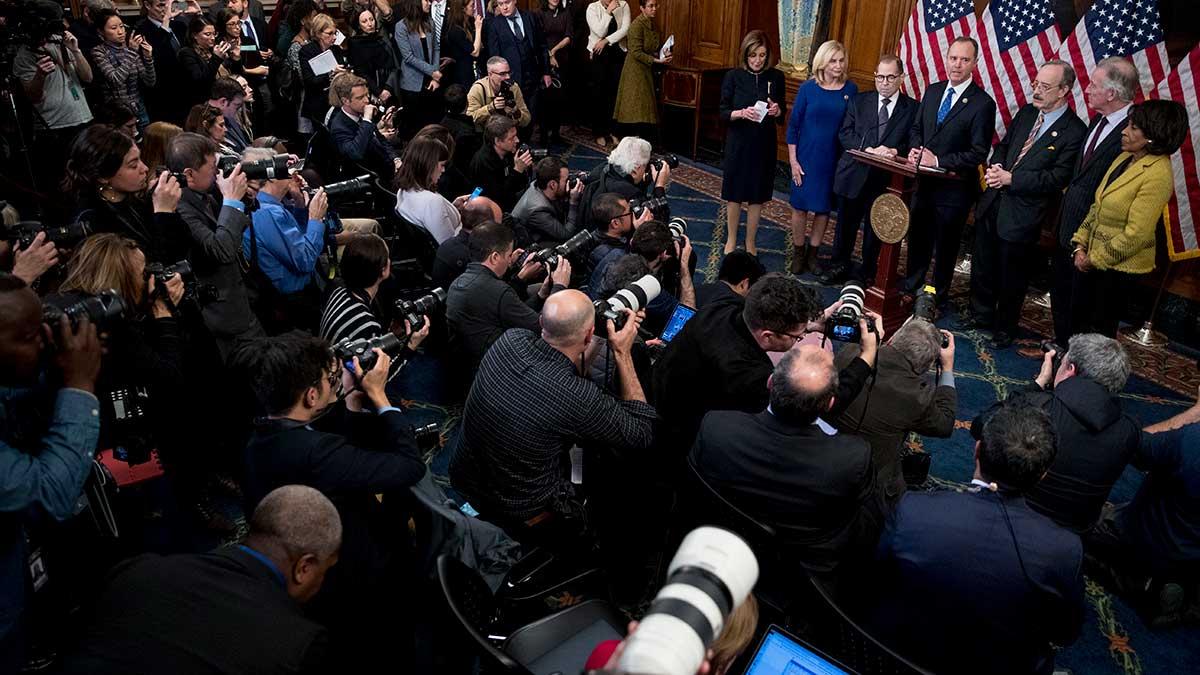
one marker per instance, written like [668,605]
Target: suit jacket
[413,66]
[814,486]
[1119,230]
[168,100]
[216,256]
[898,400]
[860,129]
[349,457]
[223,611]
[1085,178]
[360,142]
[951,588]
[529,61]
[1038,180]
[256,12]
[961,142]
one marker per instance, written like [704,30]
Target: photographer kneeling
[654,243]
[350,449]
[48,432]
[284,242]
[352,310]
[549,209]
[481,304]
[901,398]
[630,172]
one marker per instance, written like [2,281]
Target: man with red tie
[1029,168]
[1109,94]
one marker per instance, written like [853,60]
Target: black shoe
[972,323]
[836,273]
[1001,340]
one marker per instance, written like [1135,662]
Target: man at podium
[878,122]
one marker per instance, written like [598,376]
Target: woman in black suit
[202,59]
[462,40]
[316,87]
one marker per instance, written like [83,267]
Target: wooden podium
[889,218]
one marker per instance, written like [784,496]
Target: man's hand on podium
[881,151]
[922,157]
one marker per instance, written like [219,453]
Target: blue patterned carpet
[1114,640]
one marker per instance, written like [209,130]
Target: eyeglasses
[886,78]
[795,338]
[1042,87]
[334,378]
[503,73]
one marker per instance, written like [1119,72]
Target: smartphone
[178,7]
[679,317]
[475,193]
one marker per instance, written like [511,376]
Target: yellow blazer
[1119,231]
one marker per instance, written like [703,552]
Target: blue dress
[813,129]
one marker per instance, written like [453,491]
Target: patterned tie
[947,103]
[516,28]
[883,117]
[438,17]
[1037,126]
[1095,139]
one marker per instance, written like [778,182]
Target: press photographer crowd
[236,250]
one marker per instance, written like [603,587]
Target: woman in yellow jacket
[1115,243]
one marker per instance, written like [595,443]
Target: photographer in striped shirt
[351,310]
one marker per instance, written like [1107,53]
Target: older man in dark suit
[977,580]
[952,131]
[1109,93]
[1030,167]
[787,468]
[878,122]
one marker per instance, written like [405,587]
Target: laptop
[781,653]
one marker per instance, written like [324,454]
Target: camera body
[653,204]
[62,236]
[506,88]
[538,154]
[657,161]
[843,324]
[163,273]
[363,349]
[103,309]
[125,411]
[428,436]
[634,297]
[576,178]
[582,242]
[414,311]
[1055,363]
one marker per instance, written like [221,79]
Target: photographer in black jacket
[351,451]
[628,172]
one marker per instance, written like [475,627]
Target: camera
[1056,362]
[657,161]
[32,24]
[263,169]
[925,308]
[538,154]
[344,188]
[102,309]
[653,204]
[574,179]
[428,436]
[843,325]
[62,236]
[506,87]
[582,242]
[125,418]
[414,311]
[711,574]
[678,228]
[633,297]
[163,273]
[363,349]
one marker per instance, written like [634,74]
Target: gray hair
[299,519]
[1100,358]
[253,154]
[802,385]
[920,341]
[1068,72]
[94,6]
[629,154]
[1120,77]
[495,61]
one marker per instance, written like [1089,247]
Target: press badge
[74,91]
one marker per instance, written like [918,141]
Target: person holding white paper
[636,106]
[752,102]
[316,69]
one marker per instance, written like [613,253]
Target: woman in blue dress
[813,150]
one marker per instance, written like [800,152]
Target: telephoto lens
[633,297]
[582,242]
[102,309]
[350,186]
[363,348]
[711,574]
[678,228]
[537,154]
[843,325]
[62,236]
[925,304]
[163,273]
[670,160]
[638,206]
[414,311]
[263,169]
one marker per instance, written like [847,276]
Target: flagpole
[1146,336]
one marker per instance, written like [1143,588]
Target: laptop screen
[781,654]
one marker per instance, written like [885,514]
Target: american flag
[1016,37]
[1131,28]
[1183,241]
[932,27]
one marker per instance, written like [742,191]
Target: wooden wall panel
[869,29]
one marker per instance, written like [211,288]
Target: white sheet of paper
[339,38]
[323,63]
[761,109]
[666,48]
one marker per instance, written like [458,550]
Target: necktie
[1037,126]
[1095,139]
[883,116]
[248,31]
[516,28]
[947,103]
[438,17]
